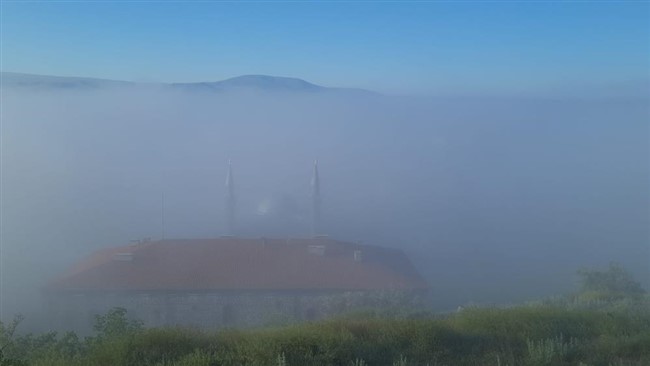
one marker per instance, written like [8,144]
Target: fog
[495,199]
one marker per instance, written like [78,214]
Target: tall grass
[525,335]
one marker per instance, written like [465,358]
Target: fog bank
[494,199]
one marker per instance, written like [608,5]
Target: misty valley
[264,220]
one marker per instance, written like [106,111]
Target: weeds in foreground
[524,336]
[550,351]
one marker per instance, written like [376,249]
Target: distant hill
[263,83]
[32,81]
[260,82]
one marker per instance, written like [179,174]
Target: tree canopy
[615,281]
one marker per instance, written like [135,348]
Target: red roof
[242,264]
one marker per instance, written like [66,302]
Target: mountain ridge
[264,83]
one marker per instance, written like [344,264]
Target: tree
[7,340]
[115,323]
[615,282]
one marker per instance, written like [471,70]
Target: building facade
[234,282]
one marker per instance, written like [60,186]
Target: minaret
[230,202]
[315,196]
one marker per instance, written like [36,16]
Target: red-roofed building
[234,281]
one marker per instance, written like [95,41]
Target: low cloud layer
[495,200]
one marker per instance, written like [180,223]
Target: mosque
[233,281]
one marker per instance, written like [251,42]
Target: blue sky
[438,47]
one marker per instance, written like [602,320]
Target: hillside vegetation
[607,323]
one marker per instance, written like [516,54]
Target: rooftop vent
[316,249]
[123,257]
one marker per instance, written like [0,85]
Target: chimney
[315,196]
[230,202]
